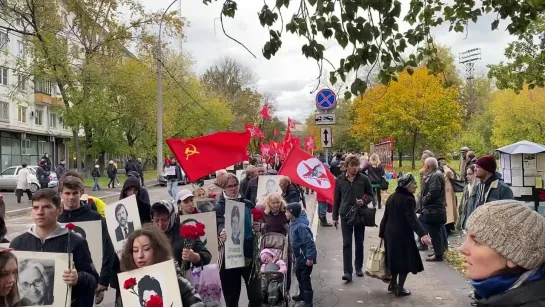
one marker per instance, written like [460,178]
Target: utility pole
[160,95]
[468,59]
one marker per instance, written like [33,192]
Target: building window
[52,120]
[4,41]
[21,82]
[42,87]
[25,147]
[4,111]
[22,51]
[42,147]
[21,114]
[38,117]
[4,76]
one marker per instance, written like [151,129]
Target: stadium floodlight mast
[469,59]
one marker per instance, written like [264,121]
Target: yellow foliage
[518,117]
[415,110]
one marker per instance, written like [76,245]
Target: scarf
[172,212]
[501,283]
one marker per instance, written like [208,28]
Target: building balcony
[42,98]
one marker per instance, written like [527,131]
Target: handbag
[207,283]
[361,214]
[457,185]
[376,263]
[384,184]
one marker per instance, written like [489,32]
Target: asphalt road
[20,224]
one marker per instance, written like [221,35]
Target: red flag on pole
[265,111]
[206,154]
[291,123]
[306,170]
[255,132]
[309,143]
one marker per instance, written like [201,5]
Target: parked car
[8,178]
[162,180]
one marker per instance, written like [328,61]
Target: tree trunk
[413,149]
[400,158]
[77,149]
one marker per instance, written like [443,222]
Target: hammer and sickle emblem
[190,150]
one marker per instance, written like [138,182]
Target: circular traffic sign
[326,99]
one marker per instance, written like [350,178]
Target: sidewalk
[438,285]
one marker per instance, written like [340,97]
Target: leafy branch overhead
[370,28]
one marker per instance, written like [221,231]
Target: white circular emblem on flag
[313,172]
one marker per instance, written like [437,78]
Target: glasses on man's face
[36,284]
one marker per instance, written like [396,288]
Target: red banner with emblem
[206,154]
[306,170]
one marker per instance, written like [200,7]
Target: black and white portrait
[148,286]
[91,231]
[122,219]
[154,280]
[205,204]
[267,185]
[210,237]
[124,227]
[235,226]
[36,282]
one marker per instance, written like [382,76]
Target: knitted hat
[404,180]
[265,254]
[512,230]
[488,163]
[294,209]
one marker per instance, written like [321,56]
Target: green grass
[103,181]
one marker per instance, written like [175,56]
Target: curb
[24,211]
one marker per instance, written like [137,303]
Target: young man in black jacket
[352,188]
[74,210]
[46,235]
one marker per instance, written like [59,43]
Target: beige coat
[23,179]
[450,196]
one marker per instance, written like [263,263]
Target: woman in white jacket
[23,184]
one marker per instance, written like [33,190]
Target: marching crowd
[504,248]
[158,240]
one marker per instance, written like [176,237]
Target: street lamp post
[160,95]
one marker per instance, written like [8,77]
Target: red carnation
[154,301]
[70,226]
[212,195]
[257,214]
[189,232]
[129,283]
[200,229]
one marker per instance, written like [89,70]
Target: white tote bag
[376,263]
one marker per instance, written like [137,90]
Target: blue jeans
[322,208]
[95,185]
[172,188]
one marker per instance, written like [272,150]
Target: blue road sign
[326,99]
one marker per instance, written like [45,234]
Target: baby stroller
[275,281]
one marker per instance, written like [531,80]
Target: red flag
[306,170]
[265,111]
[255,132]
[206,154]
[265,150]
[291,123]
[309,143]
[275,132]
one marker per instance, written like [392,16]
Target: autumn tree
[526,59]
[518,117]
[418,110]
[370,30]
[74,43]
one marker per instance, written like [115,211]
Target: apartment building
[30,124]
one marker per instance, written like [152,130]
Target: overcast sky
[289,76]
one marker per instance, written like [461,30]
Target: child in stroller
[274,270]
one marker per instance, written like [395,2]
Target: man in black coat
[71,189]
[352,188]
[251,190]
[125,228]
[433,204]
[290,192]
[46,235]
